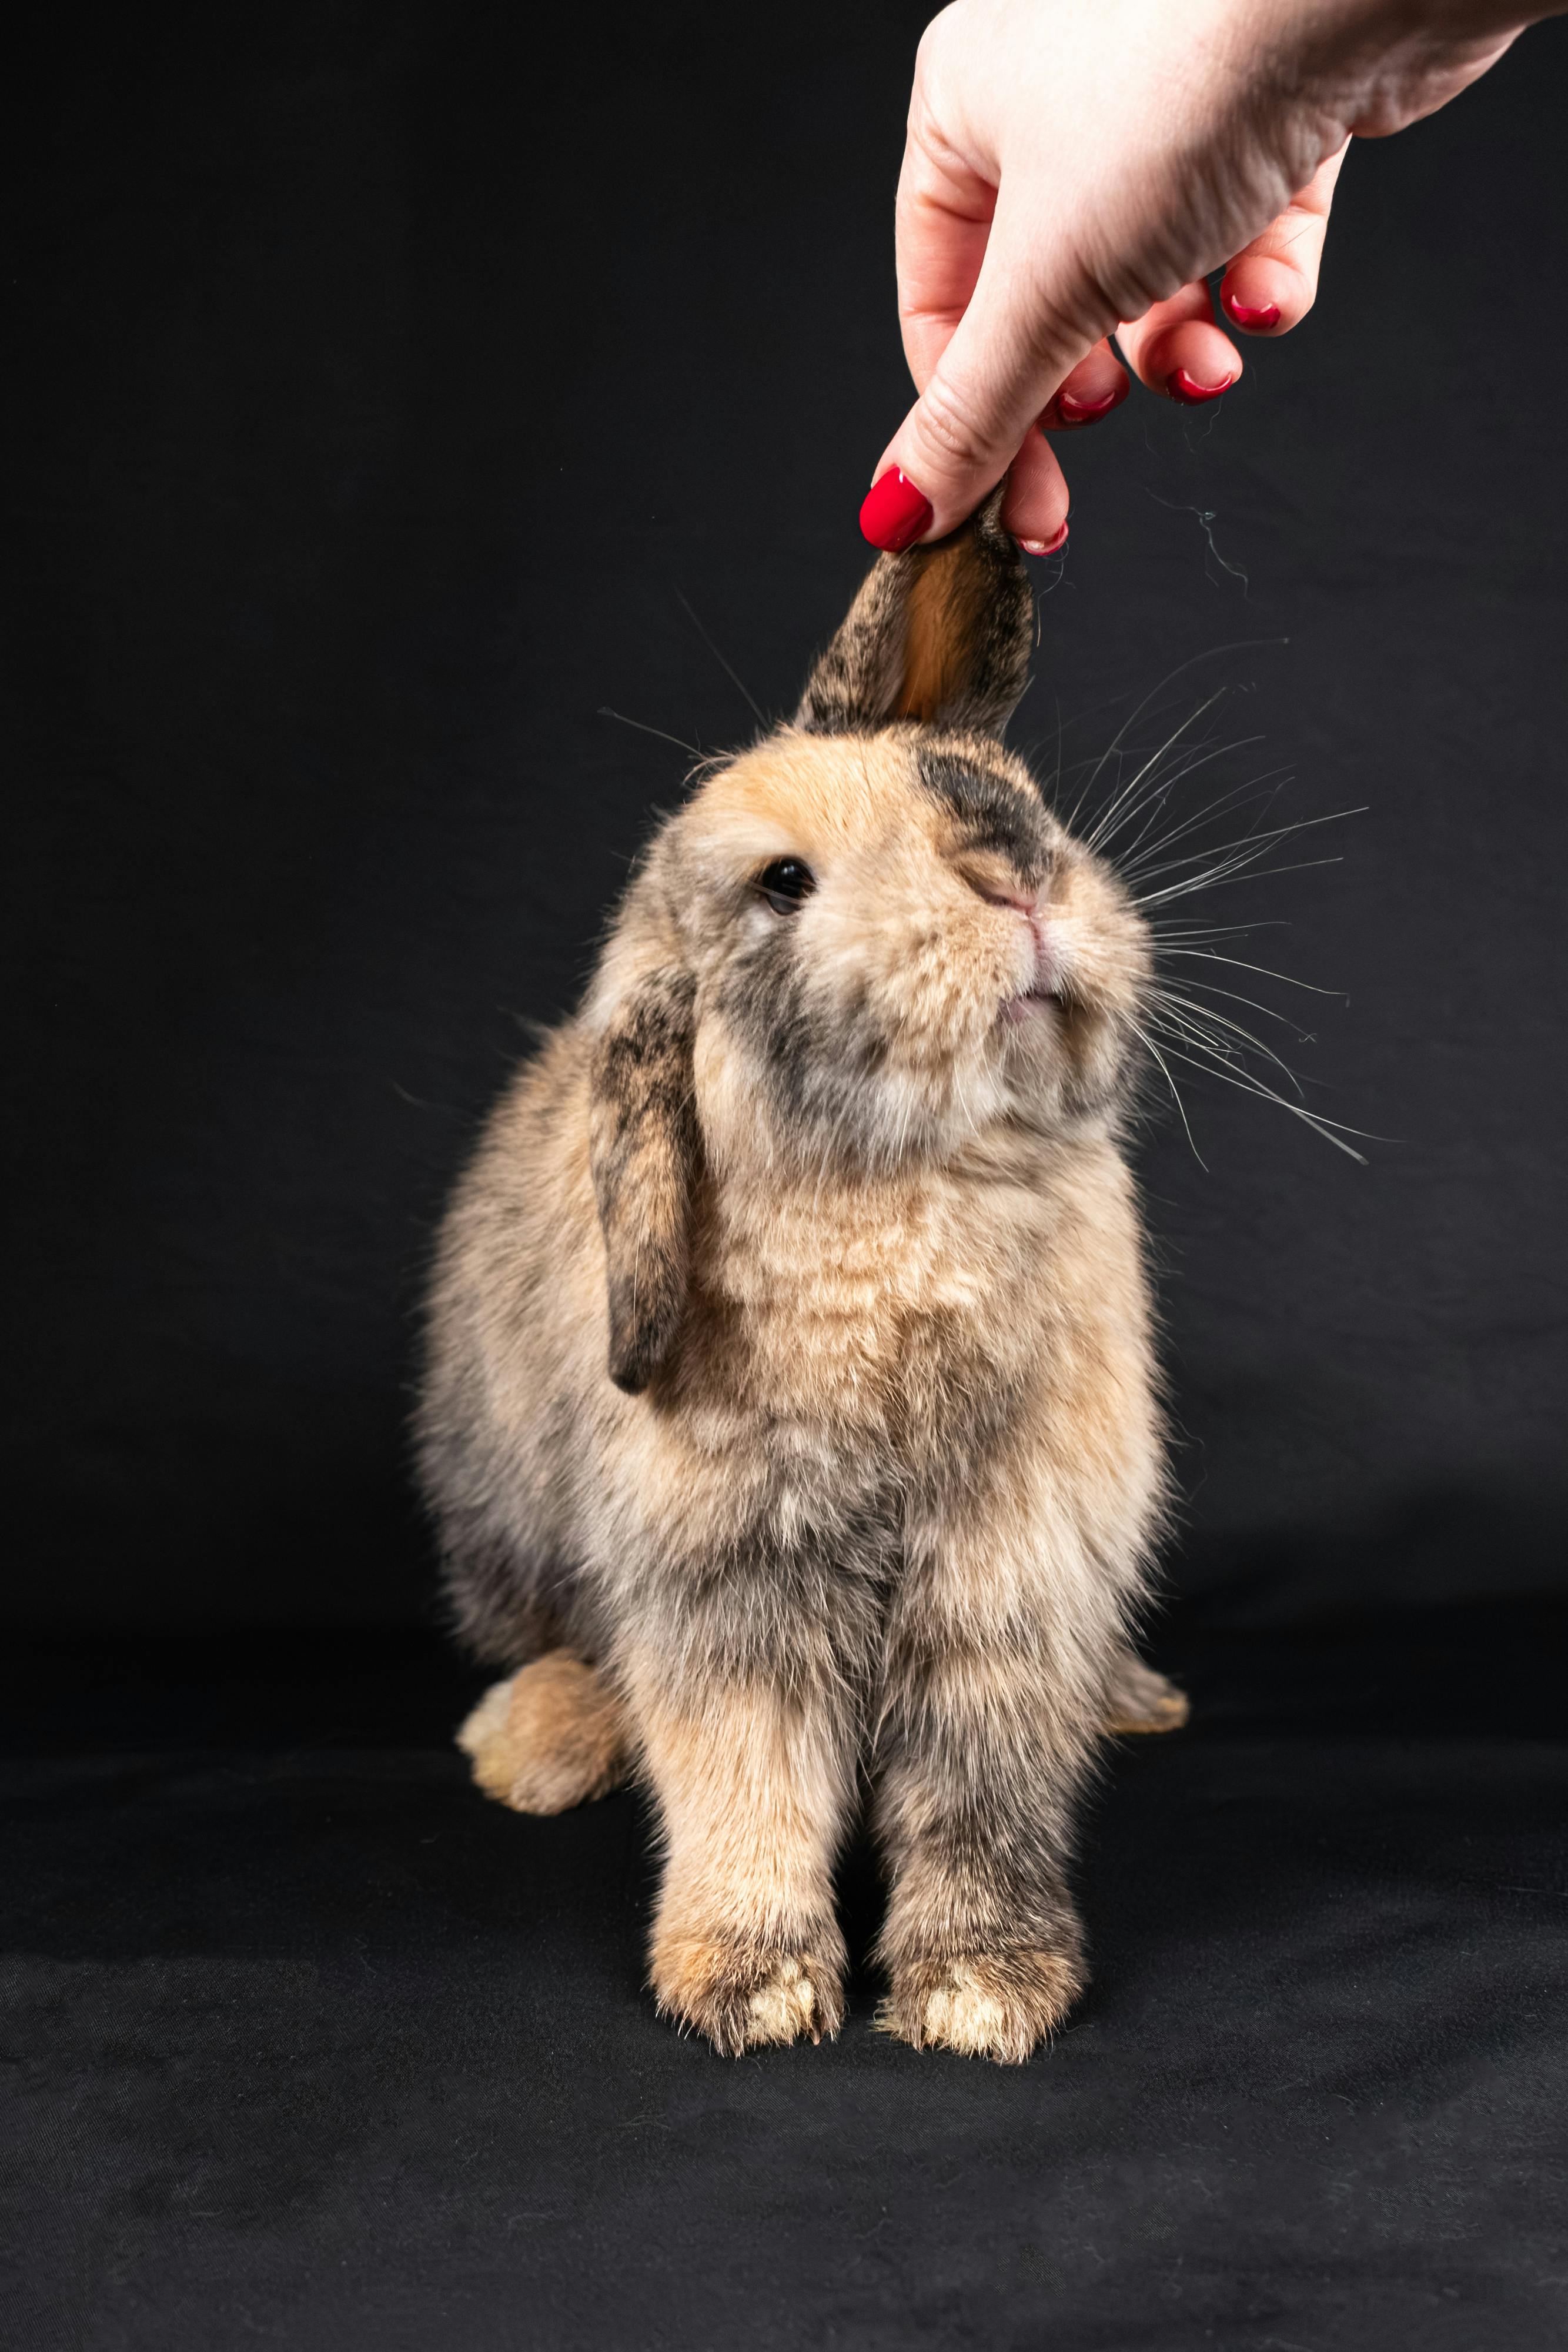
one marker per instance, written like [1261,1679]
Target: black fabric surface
[309,2046]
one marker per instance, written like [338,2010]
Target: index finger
[942,223]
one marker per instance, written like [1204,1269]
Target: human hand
[1076,170]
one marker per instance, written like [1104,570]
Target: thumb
[1008,355]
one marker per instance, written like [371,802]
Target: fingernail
[1252,314]
[1189,392]
[895,512]
[1068,411]
[1045,546]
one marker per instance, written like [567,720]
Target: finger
[1000,365]
[941,224]
[1034,508]
[1096,386]
[1273,282]
[1176,348]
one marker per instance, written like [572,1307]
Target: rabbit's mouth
[1035,1002]
[1046,994]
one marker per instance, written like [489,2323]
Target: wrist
[1371,66]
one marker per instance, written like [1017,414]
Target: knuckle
[951,433]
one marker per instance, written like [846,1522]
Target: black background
[390,390]
[386,383]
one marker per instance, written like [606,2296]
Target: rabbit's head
[864,942]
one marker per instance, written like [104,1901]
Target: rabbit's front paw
[741,1996]
[985,2004]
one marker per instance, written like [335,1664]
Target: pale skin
[1075,171]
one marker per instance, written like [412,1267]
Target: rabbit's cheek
[974,956]
[939,1011]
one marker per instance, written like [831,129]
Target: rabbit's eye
[785,884]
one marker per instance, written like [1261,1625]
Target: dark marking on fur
[496,1616]
[816,1058]
[974,1811]
[993,812]
[643,1153]
[799,1608]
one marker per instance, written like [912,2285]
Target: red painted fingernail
[1045,546]
[1189,392]
[1067,411]
[895,512]
[1252,314]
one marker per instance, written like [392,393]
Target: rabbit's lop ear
[642,1149]
[942,633]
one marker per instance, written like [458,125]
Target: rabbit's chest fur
[918,1314]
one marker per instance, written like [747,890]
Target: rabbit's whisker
[1159,792]
[1239,963]
[1100,829]
[1266,788]
[1176,1091]
[1230,873]
[1155,803]
[1246,847]
[733,676]
[1161,932]
[1332,1131]
[644,728]
[1254,1004]
[1179,1016]
[1211,653]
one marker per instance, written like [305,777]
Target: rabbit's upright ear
[642,1149]
[942,633]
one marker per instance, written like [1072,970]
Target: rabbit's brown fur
[789,1358]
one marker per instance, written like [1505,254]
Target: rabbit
[789,1417]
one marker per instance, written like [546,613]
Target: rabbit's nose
[998,888]
[1001,883]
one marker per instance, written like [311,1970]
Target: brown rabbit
[789,1401]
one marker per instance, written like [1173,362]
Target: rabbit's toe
[1139,1699]
[988,2005]
[547,1738]
[743,1997]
